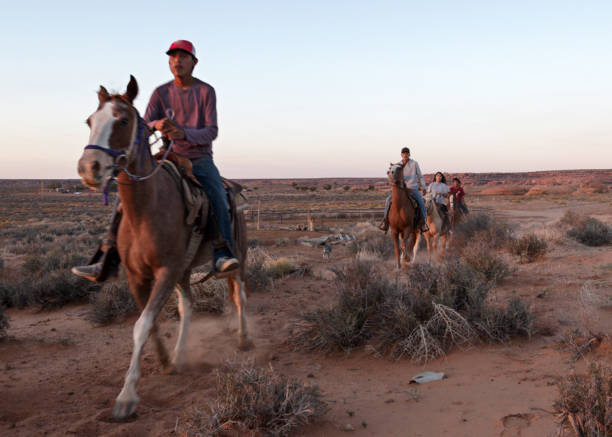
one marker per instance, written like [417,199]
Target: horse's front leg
[185,303]
[238,295]
[396,247]
[415,248]
[127,400]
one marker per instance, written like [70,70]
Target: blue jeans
[205,171]
[417,195]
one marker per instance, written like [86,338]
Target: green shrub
[529,248]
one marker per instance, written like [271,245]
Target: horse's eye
[124,122]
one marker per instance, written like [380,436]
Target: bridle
[119,156]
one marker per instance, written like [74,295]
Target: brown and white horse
[437,231]
[401,217]
[153,237]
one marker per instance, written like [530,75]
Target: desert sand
[59,374]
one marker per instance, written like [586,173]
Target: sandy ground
[59,375]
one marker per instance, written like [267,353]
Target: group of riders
[437,191]
[184,111]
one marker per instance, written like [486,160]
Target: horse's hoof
[171,369]
[245,344]
[124,410]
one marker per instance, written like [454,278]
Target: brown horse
[456,213]
[401,217]
[153,238]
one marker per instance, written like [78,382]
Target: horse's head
[395,174]
[113,129]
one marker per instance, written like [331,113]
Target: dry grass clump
[208,297]
[257,401]
[258,277]
[586,230]
[499,324]
[585,402]
[112,301]
[579,343]
[528,248]
[374,243]
[263,269]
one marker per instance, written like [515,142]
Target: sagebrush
[257,401]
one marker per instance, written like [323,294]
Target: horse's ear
[103,95]
[132,90]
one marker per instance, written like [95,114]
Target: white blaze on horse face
[95,166]
[101,123]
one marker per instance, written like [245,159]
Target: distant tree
[53,185]
[371,188]
[294,184]
[346,188]
[313,188]
[327,187]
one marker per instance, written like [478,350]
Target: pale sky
[323,88]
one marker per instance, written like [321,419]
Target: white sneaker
[225,264]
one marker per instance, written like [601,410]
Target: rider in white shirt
[439,191]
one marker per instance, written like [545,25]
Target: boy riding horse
[192,129]
[414,181]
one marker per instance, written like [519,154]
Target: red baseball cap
[182,45]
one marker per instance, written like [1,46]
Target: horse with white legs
[153,238]
[404,232]
[437,230]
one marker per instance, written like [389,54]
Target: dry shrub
[258,276]
[571,219]
[114,300]
[257,401]
[4,323]
[529,248]
[280,267]
[482,259]
[375,243]
[498,324]
[586,230]
[592,233]
[348,323]
[481,227]
[585,402]
[207,297]
[437,309]
[48,291]
[579,343]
